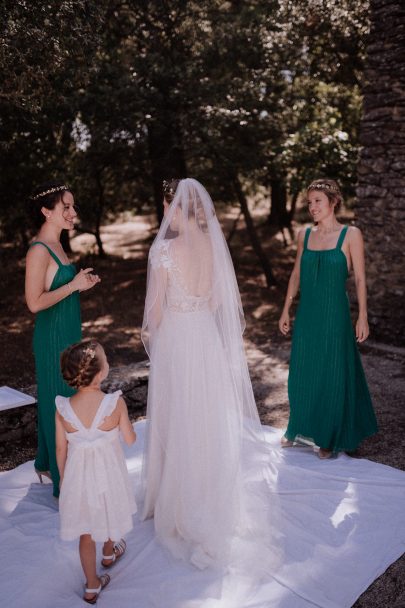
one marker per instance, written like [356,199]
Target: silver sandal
[119,549]
[104,580]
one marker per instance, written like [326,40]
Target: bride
[201,410]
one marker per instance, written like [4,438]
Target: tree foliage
[115,96]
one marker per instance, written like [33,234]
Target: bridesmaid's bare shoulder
[355,235]
[37,252]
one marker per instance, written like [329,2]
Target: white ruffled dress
[96,496]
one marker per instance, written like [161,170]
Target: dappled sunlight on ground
[262,310]
[124,239]
[268,368]
[100,322]
[19,326]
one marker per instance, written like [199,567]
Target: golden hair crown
[167,189]
[50,191]
[323,186]
[89,352]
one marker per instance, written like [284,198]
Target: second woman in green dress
[330,402]
[52,288]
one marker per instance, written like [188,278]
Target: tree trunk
[100,210]
[279,215]
[101,250]
[380,210]
[166,157]
[291,213]
[254,239]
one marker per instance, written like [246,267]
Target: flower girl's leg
[108,553]
[87,550]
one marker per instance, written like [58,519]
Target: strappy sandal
[324,454]
[119,549]
[298,442]
[104,580]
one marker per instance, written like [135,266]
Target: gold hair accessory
[167,189]
[50,191]
[89,351]
[84,364]
[321,185]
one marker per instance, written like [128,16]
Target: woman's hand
[362,329]
[84,280]
[284,322]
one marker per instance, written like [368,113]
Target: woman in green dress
[52,288]
[330,402]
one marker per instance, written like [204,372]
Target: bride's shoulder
[159,253]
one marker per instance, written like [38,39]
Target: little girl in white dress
[96,500]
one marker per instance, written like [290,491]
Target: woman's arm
[125,425]
[356,250]
[61,445]
[37,297]
[293,287]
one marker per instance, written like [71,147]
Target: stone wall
[21,422]
[380,211]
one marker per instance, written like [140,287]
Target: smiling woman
[330,404]
[52,288]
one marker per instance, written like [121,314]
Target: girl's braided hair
[80,363]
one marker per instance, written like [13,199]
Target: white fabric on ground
[339,523]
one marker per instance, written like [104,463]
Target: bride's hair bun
[169,189]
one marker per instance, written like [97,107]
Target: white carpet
[341,523]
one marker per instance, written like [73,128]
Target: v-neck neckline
[89,428]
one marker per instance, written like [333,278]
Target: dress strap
[106,408]
[66,411]
[307,233]
[53,255]
[341,237]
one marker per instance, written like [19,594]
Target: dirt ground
[112,313]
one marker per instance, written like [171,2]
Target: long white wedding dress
[193,463]
[202,417]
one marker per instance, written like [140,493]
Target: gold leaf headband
[320,186]
[50,191]
[90,352]
[167,189]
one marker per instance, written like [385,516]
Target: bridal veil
[202,417]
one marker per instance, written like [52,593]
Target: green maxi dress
[329,399]
[56,328]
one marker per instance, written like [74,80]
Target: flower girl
[96,500]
